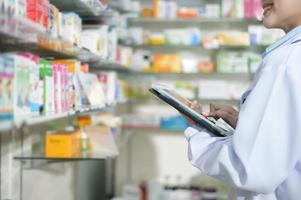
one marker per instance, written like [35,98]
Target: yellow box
[63,145]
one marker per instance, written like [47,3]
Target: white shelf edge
[194,20]
[196,47]
[6,126]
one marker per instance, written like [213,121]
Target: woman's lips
[267,8]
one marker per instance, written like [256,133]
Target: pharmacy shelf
[121,8]
[46,46]
[197,76]
[106,65]
[151,129]
[81,7]
[41,157]
[14,30]
[23,35]
[6,126]
[190,21]
[196,48]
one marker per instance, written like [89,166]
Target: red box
[38,11]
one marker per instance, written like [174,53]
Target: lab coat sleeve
[266,144]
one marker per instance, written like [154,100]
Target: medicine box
[22,86]
[6,87]
[62,144]
[46,74]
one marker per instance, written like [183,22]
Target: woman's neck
[290,26]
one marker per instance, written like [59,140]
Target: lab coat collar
[291,34]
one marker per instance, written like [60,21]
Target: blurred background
[76,119]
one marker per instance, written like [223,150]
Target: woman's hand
[227,113]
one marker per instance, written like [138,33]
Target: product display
[46,75]
[176,190]
[32,86]
[71,27]
[241,9]
[65,144]
[6,87]
[226,62]
[227,9]
[237,62]
[256,35]
[114,89]
[38,11]
[23,85]
[101,41]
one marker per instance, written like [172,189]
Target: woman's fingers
[196,106]
[229,109]
[217,111]
[229,118]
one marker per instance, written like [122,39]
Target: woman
[262,160]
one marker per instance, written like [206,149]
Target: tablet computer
[181,104]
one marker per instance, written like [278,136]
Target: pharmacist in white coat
[262,160]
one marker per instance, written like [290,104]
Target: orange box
[166,63]
[62,145]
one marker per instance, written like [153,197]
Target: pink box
[57,74]
[64,82]
[257,9]
[248,8]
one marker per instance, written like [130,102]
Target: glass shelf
[149,129]
[196,48]
[13,29]
[6,126]
[146,21]
[115,5]
[28,156]
[23,35]
[83,8]
[198,76]
[106,65]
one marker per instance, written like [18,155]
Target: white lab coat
[262,160]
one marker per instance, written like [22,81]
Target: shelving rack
[195,48]
[83,8]
[209,24]
[42,157]
[32,121]
[196,76]
[145,20]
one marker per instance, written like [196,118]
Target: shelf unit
[209,24]
[83,8]
[42,157]
[196,76]
[192,20]
[14,30]
[151,129]
[7,126]
[17,35]
[195,48]
[27,36]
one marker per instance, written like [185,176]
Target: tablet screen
[185,101]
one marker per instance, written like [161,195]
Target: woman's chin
[268,23]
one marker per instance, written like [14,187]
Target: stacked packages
[171,9]
[32,86]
